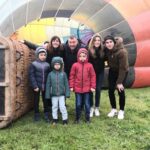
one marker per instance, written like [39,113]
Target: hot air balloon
[125,18]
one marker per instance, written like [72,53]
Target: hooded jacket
[38,71]
[57,82]
[82,75]
[118,60]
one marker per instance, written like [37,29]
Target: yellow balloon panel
[35,31]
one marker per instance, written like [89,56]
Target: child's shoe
[55,121]
[121,114]
[97,113]
[88,121]
[65,122]
[112,113]
[91,111]
[77,121]
[36,117]
[46,117]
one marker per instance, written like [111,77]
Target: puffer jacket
[38,72]
[82,75]
[118,60]
[57,82]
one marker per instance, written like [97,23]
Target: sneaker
[65,122]
[121,114]
[55,121]
[91,112]
[112,113]
[97,113]
[36,117]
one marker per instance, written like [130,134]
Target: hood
[83,50]
[57,60]
[119,43]
[39,50]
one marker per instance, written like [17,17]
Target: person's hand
[120,87]
[93,90]
[22,41]
[36,90]
[71,89]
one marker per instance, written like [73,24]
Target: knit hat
[109,37]
[39,50]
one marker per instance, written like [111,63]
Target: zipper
[57,84]
[82,75]
[43,78]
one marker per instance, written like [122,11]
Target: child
[118,69]
[57,89]
[38,72]
[82,82]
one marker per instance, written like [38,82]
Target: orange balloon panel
[143,54]
[130,8]
[142,77]
[140,26]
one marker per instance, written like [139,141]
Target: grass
[132,133]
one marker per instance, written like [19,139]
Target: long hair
[50,46]
[91,48]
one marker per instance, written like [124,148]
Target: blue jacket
[38,73]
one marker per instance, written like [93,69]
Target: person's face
[109,44]
[55,43]
[42,56]
[72,43]
[82,57]
[97,42]
[46,45]
[57,66]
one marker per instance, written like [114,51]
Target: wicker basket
[16,96]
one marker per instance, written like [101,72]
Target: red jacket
[82,75]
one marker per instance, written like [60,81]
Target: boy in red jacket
[82,80]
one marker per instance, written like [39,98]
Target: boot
[46,117]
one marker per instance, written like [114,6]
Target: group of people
[61,68]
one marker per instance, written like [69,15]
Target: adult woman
[53,47]
[96,58]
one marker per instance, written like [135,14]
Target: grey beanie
[39,50]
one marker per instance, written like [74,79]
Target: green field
[103,133]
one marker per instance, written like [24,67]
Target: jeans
[59,101]
[37,99]
[112,78]
[80,97]
[99,83]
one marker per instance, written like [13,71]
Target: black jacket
[70,57]
[97,62]
[31,45]
[56,52]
